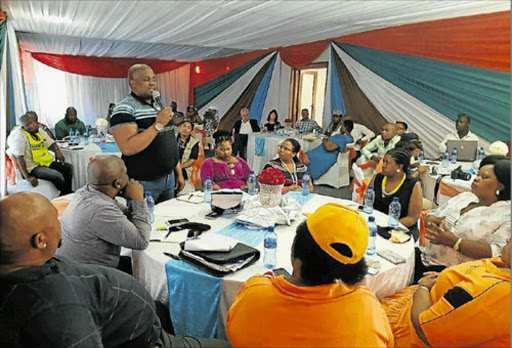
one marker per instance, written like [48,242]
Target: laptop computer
[466,149]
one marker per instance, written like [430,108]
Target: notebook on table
[466,149]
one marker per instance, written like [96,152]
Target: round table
[149,265]
[79,157]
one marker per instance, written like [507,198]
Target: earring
[44,245]
[497,192]
[398,170]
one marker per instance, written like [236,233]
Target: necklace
[293,174]
[386,193]
[231,166]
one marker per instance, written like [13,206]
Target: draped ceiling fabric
[100,66]
[3,101]
[199,30]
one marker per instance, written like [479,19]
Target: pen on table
[172,256]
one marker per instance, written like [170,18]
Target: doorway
[308,91]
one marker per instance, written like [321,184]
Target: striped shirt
[161,156]
[378,145]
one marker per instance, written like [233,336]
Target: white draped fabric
[225,100]
[196,30]
[397,105]
[20,106]
[51,91]
[278,95]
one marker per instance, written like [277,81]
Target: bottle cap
[252,171]
[271,228]
[395,199]
[371,219]
[208,178]
[148,193]
[370,187]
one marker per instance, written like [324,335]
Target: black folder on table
[221,263]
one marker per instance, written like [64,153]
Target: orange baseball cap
[335,227]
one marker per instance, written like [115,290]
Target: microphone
[157,99]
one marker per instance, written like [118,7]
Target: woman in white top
[472,225]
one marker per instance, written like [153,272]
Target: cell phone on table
[281,271]
[176,221]
[213,215]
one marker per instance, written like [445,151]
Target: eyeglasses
[285,148]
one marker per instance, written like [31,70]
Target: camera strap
[436,188]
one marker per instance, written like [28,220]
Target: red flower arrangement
[271,176]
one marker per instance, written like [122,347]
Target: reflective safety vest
[40,154]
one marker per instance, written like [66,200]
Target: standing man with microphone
[141,126]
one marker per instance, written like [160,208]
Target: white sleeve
[368,134]
[17,142]
[442,144]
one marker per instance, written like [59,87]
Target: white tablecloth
[79,159]
[456,186]
[257,163]
[149,265]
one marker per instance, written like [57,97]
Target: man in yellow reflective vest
[29,147]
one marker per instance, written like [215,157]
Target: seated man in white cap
[320,305]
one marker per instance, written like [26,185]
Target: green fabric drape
[448,88]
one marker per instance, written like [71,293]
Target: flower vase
[270,195]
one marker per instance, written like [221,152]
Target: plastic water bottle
[252,183]
[71,136]
[394,212]
[446,159]
[270,248]
[305,184]
[369,198]
[372,228]
[275,129]
[207,186]
[479,157]
[481,154]
[420,157]
[454,156]
[151,205]
[86,137]
[261,128]
[102,137]
[77,137]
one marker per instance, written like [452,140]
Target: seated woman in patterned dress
[288,163]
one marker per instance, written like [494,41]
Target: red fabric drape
[102,66]
[482,40]
[298,56]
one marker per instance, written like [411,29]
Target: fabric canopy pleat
[245,99]
[206,92]
[449,88]
[258,103]
[359,107]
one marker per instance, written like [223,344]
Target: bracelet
[456,246]
[424,288]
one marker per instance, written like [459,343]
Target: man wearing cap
[334,127]
[319,305]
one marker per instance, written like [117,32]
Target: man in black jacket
[242,128]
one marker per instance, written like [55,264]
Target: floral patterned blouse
[489,225]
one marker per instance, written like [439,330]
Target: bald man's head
[388,131]
[29,230]
[107,174]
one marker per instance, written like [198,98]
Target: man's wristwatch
[158,126]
